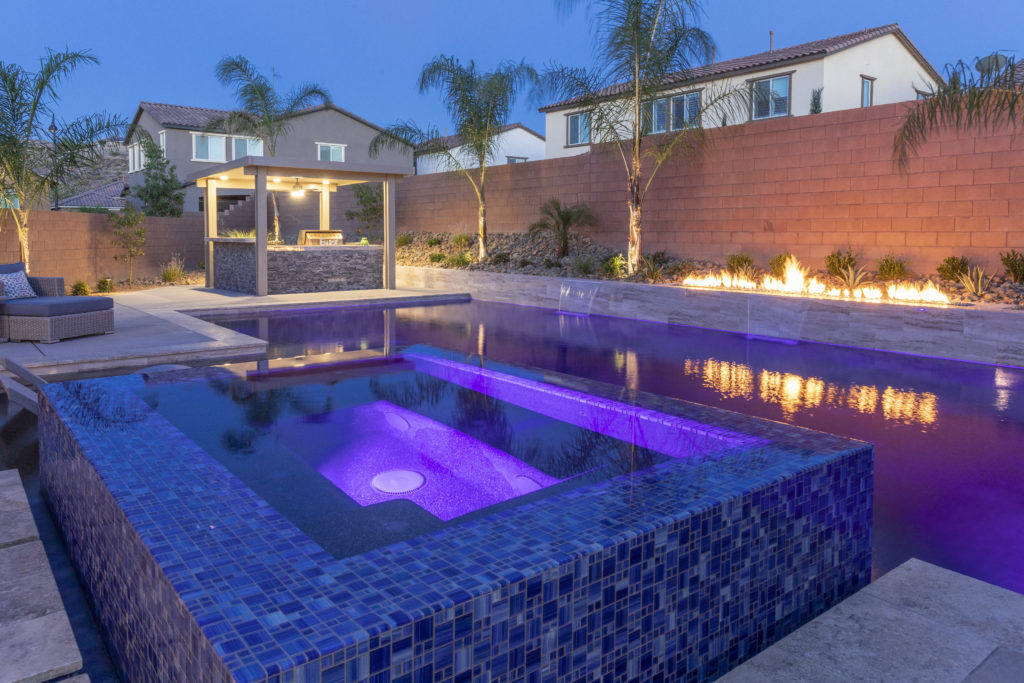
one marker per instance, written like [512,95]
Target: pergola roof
[240,174]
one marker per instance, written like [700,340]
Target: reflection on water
[794,393]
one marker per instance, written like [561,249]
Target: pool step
[918,622]
[36,641]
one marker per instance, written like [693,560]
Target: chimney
[771,41]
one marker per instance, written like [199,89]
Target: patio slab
[152,328]
[919,622]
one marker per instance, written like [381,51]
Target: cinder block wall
[807,184]
[78,246]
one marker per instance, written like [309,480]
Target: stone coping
[982,334]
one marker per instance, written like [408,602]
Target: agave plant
[852,277]
[975,281]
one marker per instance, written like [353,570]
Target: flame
[796,281]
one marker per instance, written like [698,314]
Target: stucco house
[861,69]
[325,132]
[516,143]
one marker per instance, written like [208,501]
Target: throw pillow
[16,285]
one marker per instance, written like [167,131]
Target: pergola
[275,174]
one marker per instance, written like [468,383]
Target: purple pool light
[674,436]
[390,452]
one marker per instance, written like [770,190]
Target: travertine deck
[150,329]
[919,622]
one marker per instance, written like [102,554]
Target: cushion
[12,267]
[49,306]
[16,285]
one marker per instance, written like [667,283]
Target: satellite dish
[994,63]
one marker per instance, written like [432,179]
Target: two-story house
[861,69]
[325,132]
[515,144]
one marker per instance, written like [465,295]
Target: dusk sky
[369,54]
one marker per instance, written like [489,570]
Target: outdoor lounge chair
[50,316]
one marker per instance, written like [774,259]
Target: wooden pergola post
[210,219]
[389,232]
[261,231]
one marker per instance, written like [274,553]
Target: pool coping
[988,334]
[363,609]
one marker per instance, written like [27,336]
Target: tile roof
[450,141]
[107,196]
[813,49]
[179,116]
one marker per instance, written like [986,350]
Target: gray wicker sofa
[50,316]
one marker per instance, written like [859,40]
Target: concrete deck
[151,328]
[917,623]
[36,640]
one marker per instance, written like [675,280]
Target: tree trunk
[22,228]
[277,217]
[635,247]
[482,230]
[131,274]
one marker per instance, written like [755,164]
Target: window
[867,91]
[771,97]
[247,147]
[685,110]
[329,151]
[579,129]
[163,142]
[136,157]
[207,147]
[8,200]
[655,116]
[515,160]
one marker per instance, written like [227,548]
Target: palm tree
[479,104]
[560,220]
[29,167]
[987,97]
[262,111]
[643,47]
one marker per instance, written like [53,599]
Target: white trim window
[208,147]
[867,91]
[330,151]
[685,110]
[578,128]
[655,116]
[136,157]
[515,160]
[771,97]
[246,147]
[162,135]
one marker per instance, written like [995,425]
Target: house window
[136,157]
[329,151]
[579,128]
[867,91]
[685,110]
[208,147]
[8,200]
[655,116]
[515,160]
[247,147]
[771,97]
[163,142]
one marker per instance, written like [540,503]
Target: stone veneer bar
[293,269]
[985,334]
[678,572]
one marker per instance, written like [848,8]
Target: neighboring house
[108,196]
[324,132]
[862,69]
[516,144]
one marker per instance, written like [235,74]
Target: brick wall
[808,184]
[77,246]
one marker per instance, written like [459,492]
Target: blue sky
[368,53]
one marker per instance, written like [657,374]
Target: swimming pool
[949,460]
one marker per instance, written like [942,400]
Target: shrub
[659,258]
[459,260]
[651,270]
[952,267]
[173,270]
[853,277]
[1014,264]
[462,242]
[584,266]
[240,234]
[739,263]
[434,242]
[679,270]
[364,242]
[560,220]
[403,240]
[777,264]
[614,266]
[523,262]
[500,257]
[837,262]
[892,267]
[974,281]
[105,285]
[551,263]
[79,288]
[436,257]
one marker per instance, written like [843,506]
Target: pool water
[949,436]
[363,454]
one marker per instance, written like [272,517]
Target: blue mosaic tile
[678,572]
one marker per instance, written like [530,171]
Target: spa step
[36,641]
[21,385]
[918,622]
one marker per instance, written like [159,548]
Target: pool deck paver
[150,328]
[919,622]
[36,640]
